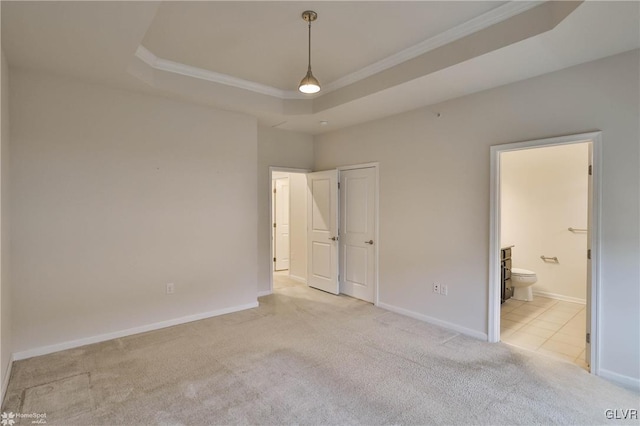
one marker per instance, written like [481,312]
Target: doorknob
[333,238]
[369,242]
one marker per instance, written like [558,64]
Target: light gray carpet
[307,357]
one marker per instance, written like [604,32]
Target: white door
[357,233]
[322,222]
[281,224]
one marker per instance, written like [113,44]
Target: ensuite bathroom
[544,199]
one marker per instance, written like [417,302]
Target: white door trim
[376,167]
[494,234]
[271,170]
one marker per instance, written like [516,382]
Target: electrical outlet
[444,289]
[170,288]
[436,288]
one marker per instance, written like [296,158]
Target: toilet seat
[522,272]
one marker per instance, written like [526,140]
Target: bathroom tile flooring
[552,327]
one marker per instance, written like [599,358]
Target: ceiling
[373,59]
[266,42]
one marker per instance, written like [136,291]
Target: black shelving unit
[505,267]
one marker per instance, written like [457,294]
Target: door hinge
[338,185]
[274,259]
[274,225]
[274,190]
[589,254]
[590,170]
[588,337]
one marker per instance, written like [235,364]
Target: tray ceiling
[266,42]
[373,59]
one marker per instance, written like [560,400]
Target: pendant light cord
[309,68]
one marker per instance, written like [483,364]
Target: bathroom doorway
[544,240]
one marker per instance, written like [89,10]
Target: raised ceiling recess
[374,58]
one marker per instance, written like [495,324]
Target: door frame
[376,251]
[271,233]
[493,313]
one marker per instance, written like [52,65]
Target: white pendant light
[309,83]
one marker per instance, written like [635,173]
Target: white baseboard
[264,293]
[43,350]
[560,297]
[445,324]
[625,381]
[5,380]
[299,279]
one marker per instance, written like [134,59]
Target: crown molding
[469,27]
[476,24]
[167,65]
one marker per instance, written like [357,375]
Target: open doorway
[289,227]
[324,229]
[543,294]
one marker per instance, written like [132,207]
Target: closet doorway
[288,213]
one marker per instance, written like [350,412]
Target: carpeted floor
[307,357]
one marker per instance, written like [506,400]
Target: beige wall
[434,192]
[283,149]
[544,191]
[5,288]
[115,194]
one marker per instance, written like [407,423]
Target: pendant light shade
[309,83]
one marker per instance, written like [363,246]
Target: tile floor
[552,327]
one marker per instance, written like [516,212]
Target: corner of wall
[6,358]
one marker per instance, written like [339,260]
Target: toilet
[522,280]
